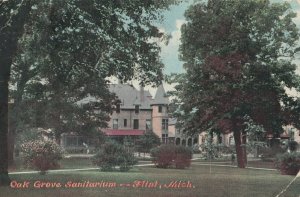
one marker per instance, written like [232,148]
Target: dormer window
[160,109]
[137,109]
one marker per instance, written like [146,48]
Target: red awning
[123,132]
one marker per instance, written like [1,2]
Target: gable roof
[130,96]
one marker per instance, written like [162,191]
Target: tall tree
[237,58]
[118,43]
[12,19]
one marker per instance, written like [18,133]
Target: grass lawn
[66,163]
[206,182]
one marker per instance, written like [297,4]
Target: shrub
[112,154]
[166,156]
[293,146]
[288,163]
[41,154]
[269,153]
[147,141]
[163,155]
[183,156]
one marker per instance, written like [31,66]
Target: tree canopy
[78,42]
[238,61]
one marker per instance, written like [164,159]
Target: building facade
[138,112]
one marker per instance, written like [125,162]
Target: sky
[173,19]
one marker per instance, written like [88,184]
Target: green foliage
[71,47]
[33,134]
[238,60]
[170,155]
[183,156]
[147,141]
[269,153]
[68,50]
[288,163]
[293,146]
[233,68]
[256,136]
[30,135]
[113,154]
[41,154]
[211,150]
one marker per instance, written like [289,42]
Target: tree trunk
[11,148]
[9,35]
[14,111]
[239,149]
[244,142]
[4,178]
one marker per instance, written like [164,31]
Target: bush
[269,153]
[293,146]
[183,156]
[41,154]
[147,141]
[166,156]
[288,163]
[112,154]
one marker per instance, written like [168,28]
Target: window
[160,109]
[148,125]
[135,124]
[164,138]
[115,123]
[125,122]
[164,124]
[118,108]
[137,109]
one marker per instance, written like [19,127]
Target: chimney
[142,94]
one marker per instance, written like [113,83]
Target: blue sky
[174,18]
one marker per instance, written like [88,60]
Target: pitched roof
[130,96]
[160,97]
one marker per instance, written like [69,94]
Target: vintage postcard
[186,98]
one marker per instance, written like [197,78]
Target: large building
[137,112]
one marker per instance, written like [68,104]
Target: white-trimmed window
[164,124]
[115,124]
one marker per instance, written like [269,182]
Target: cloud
[170,52]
